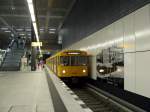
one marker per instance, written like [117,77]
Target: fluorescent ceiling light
[31,9]
[36,31]
[28,29]
[32,13]
[21,34]
[19,29]
[4,28]
[52,29]
[29,1]
[7,31]
[41,29]
[51,32]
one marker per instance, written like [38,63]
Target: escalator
[12,59]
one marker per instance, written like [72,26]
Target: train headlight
[84,71]
[64,71]
[119,70]
[101,70]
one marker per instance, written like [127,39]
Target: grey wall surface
[89,16]
[4,41]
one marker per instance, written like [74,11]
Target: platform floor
[24,92]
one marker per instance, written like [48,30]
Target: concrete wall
[89,16]
[133,33]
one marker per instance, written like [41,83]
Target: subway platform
[39,91]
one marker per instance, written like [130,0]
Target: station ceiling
[15,19]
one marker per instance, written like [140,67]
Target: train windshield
[82,60]
[78,60]
[74,60]
[65,60]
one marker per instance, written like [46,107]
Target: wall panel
[129,72]
[143,73]
[129,35]
[142,28]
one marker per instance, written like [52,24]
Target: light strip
[36,31]
[7,31]
[32,13]
[21,34]
[52,29]
[108,43]
[4,28]
[51,32]
[31,9]
[19,29]
[73,53]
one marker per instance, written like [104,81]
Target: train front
[73,64]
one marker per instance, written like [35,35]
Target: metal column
[33,50]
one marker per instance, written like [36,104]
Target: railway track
[95,102]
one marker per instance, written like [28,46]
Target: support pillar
[33,50]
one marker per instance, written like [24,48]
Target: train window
[78,60]
[65,60]
[74,60]
[82,60]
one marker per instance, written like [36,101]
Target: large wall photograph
[110,65]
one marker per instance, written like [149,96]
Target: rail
[115,100]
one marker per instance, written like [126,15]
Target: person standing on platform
[42,64]
[38,64]
[24,63]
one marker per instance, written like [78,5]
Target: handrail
[2,56]
[5,52]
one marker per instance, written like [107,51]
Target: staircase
[13,59]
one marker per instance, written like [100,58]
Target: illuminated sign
[35,44]
[73,53]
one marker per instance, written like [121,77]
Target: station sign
[35,44]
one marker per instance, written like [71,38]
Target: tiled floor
[24,92]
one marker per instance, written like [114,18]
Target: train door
[53,64]
[57,64]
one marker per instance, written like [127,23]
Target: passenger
[24,62]
[8,49]
[22,42]
[38,65]
[42,63]
[19,42]
[65,63]
[16,42]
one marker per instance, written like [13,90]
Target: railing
[3,53]
[2,56]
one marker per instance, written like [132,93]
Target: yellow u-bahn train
[69,64]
